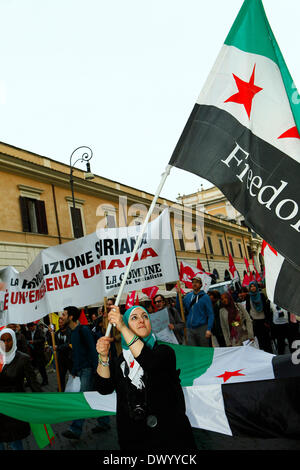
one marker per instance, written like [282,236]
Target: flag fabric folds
[242,134]
[234,391]
[247,409]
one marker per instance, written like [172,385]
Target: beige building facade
[212,202]
[37,212]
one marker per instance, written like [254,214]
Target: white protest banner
[159,322]
[84,271]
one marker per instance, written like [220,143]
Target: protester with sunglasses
[175,322]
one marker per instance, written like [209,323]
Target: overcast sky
[120,76]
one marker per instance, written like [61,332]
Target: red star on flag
[291,133]
[131,364]
[227,375]
[246,93]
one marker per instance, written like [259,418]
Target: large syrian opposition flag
[238,391]
[268,408]
[243,133]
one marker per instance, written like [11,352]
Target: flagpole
[105,313]
[182,309]
[139,239]
[55,355]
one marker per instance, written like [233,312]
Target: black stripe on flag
[286,293]
[285,366]
[267,408]
[209,138]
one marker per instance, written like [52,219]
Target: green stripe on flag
[192,362]
[48,407]
[252,33]
[43,434]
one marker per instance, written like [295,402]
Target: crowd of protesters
[213,319]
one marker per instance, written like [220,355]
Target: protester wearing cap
[200,314]
[150,401]
[15,366]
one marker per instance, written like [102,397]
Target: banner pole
[137,243]
[105,313]
[55,355]
[182,309]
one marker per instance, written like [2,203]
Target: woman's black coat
[11,381]
[163,399]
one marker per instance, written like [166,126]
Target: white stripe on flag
[243,363]
[273,265]
[101,402]
[205,408]
[271,113]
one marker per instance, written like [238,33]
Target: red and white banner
[150,291]
[233,271]
[84,271]
[257,275]
[187,273]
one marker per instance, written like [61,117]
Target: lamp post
[85,156]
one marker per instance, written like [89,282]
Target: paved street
[108,440]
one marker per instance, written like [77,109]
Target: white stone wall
[17,255]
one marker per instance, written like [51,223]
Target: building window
[231,248]
[111,220]
[181,240]
[197,244]
[222,247]
[77,222]
[33,215]
[76,216]
[241,252]
[215,273]
[249,252]
[210,245]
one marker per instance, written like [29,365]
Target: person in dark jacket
[15,366]
[150,401]
[21,340]
[258,307]
[84,365]
[36,341]
[215,298]
[200,314]
[63,350]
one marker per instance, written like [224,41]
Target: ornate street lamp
[85,156]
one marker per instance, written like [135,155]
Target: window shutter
[41,217]
[111,223]
[24,214]
[76,222]
[181,240]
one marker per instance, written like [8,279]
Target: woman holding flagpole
[150,401]
[15,366]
